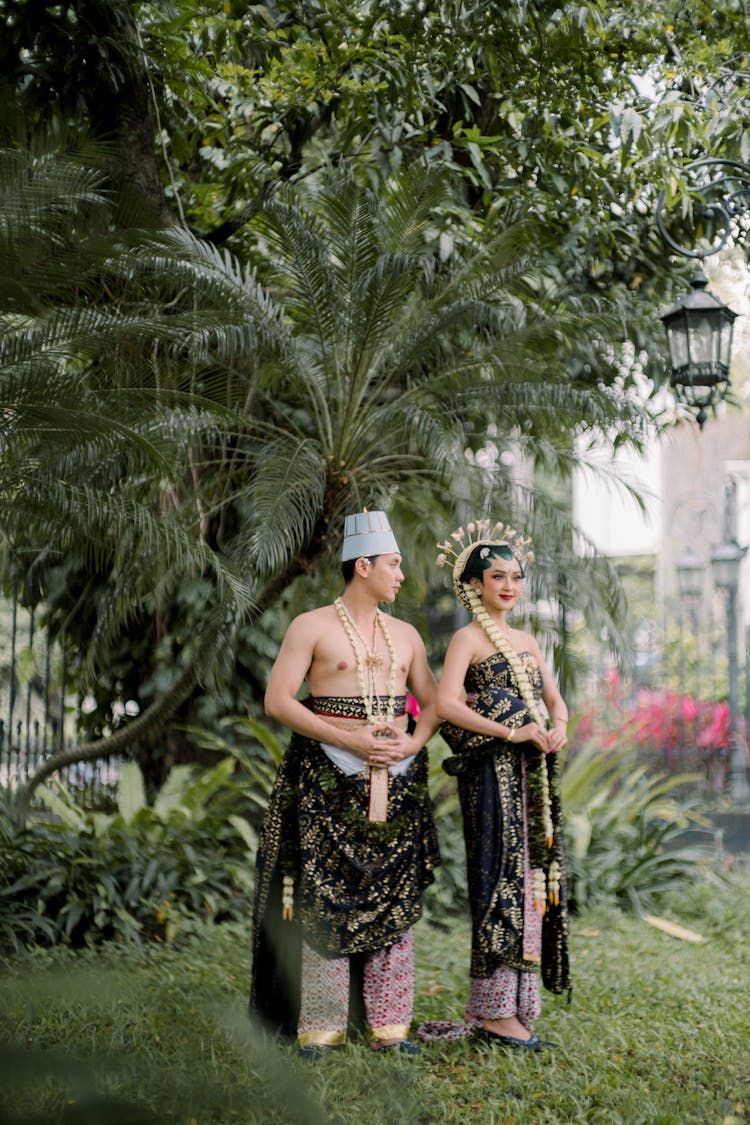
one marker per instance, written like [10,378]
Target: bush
[151,871]
[143,873]
[673,731]
[625,831]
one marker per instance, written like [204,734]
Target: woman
[504,758]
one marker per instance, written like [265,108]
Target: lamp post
[725,563]
[699,326]
[691,582]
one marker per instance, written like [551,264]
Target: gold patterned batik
[353,706]
[357,883]
[499,786]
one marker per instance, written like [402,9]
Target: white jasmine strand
[368,689]
[502,643]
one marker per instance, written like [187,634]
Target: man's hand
[380,746]
[391,745]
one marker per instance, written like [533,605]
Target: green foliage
[227,417]
[163,1028]
[143,872]
[572,106]
[239,738]
[210,414]
[93,433]
[626,830]
[147,870]
[577,112]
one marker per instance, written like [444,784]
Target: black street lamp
[725,564]
[699,334]
[699,326]
[691,577]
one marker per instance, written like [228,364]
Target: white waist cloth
[350,764]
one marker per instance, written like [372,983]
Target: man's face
[385,576]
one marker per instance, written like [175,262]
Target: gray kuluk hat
[367,534]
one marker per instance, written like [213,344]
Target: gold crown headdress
[477,533]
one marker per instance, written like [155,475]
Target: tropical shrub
[147,871]
[626,829]
[683,731]
[152,871]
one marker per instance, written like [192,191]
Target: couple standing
[348,843]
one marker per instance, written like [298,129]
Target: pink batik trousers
[388,991]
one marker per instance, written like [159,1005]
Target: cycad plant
[225,415]
[392,361]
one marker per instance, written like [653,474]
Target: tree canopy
[329,248]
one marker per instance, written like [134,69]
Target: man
[348,843]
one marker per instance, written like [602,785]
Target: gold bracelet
[565,720]
[511,731]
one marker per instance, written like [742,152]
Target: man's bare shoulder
[402,629]
[397,624]
[313,620]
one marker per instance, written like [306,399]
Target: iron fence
[38,712]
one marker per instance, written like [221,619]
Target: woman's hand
[557,737]
[533,733]
[548,741]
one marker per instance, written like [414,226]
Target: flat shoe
[533,1044]
[404,1047]
[313,1052]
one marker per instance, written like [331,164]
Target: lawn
[656,1031]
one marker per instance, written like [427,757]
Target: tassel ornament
[287,899]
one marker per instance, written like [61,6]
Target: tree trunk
[126,115]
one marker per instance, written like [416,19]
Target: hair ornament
[476,532]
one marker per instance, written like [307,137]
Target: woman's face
[501,584]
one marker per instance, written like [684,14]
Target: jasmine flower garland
[369,690]
[502,643]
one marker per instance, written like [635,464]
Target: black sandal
[404,1047]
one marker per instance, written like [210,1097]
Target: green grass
[657,1032]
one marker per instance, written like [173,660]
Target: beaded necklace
[374,660]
